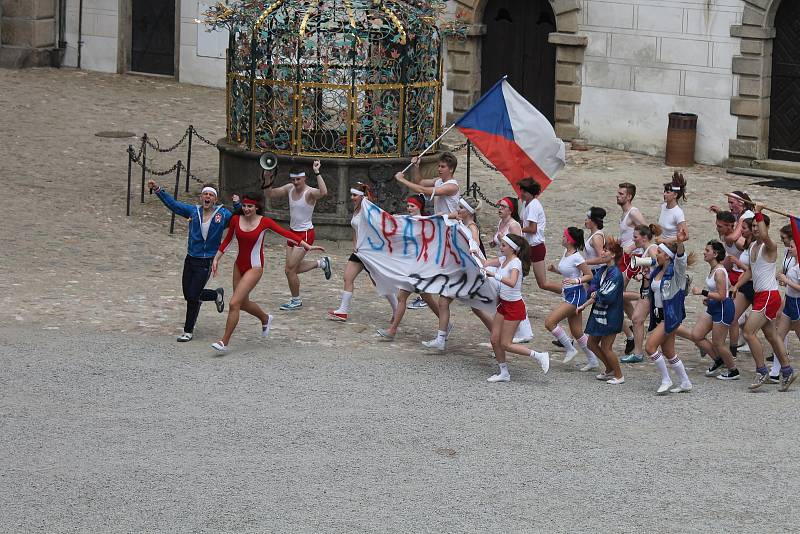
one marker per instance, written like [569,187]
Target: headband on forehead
[300,174]
[464,204]
[248,200]
[358,192]
[416,201]
[570,239]
[665,249]
[511,243]
[672,187]
[208,189]
[507,203]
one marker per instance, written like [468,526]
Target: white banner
[428,254]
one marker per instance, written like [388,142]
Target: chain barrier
[154,144]
[475,191]
[137,159]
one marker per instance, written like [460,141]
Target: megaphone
[268,161]
[637,262]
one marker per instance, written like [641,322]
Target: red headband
[570,239]
[507,202]
[248,200]
[416,201]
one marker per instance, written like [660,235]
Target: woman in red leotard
[249,226]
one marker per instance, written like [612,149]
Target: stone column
[28,33]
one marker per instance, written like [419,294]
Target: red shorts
[512,310]
[307,235]
[625,266]
[538,253]
[768,302]
[733,276]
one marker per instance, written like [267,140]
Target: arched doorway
[784,134]
[516,44]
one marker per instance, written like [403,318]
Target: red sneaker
[334,316]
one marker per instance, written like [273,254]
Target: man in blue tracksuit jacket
[207,222]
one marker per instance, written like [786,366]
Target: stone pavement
[77,269]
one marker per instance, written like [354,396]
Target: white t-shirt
[793,274]
[506,292]
[445,204]
[568,266]
[534,212]
[669,220]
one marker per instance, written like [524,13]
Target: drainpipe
[80,31]
[61,41]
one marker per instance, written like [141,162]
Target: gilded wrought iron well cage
[333,78]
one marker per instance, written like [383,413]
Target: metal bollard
[144,162]
[130,165]
[469,149]
[177,186]
[189,158]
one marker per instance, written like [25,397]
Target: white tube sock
[347,296]
[562,337]
[658,359]
[680,370]
[583,343]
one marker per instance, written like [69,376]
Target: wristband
[704,292]
[316,174]
[759,217]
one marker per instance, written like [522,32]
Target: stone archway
[464,69]
[754,68]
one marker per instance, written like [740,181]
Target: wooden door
[516,44]
[153,36]
[784,121]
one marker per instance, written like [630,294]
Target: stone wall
[647,58]
[28,33]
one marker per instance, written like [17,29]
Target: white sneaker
[544,360]
[605,376]
[683,388]
[499,378]
[265,327]
[522,339]
[186,336]
[568,357]
[744,347]
[616,381]
[663,389]
[220,346]
[590,366]
[434,344]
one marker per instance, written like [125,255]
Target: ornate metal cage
[334,78]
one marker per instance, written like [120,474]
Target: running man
[443,191]
[302,199]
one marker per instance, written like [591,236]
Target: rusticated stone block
[568,93]
[565,113]
[749,107]
[567,22]
[745,148]
[569,54]
[567,131]
[748,65]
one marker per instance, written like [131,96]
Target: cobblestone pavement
[75,265]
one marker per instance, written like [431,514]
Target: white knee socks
[583,343]
[658,359]
[347,296]
[680,370]
[563,338]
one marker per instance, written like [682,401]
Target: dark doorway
[153,36]
[784,133]
[516,44]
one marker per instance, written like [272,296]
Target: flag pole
[773,210]
[430,146]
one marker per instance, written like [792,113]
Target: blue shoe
[632,358]
[293,304]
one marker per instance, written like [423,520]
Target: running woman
[415,205]
[575,273]
[643,237]
[207,222]
[605,319]
[302,200]
[354,264]
[593,245]
[249,226]
[667,312]
[672,220]
[744,294]
[443,191]
[533,225]
[790,318]
[508,270]
[719,315]
[509,225]
[766,304]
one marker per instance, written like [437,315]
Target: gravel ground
[108,425]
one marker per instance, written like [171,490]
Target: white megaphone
[637,262]
[268,161]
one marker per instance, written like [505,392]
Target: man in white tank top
[631,217]
[766,304]
[443,191]
[302,199]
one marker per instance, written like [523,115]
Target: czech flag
[796,231]
[514,136]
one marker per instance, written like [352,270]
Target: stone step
[764,173]
[777,165]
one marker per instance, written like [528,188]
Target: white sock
[776,367]
[524,330]
[562,337]
[583,343]
[503,368]
[319,263]
[536,355]
[347,296]
[393,302]
[658,359]
[441,335]
[680,370]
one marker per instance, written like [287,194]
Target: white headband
[665,249]
[209,190]
[675,187]
[466,205]
[356,192]
[511,243]
[297,174]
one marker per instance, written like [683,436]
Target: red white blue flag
[796,232]
[514,136]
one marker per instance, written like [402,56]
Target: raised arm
[175,206]
[763,231]
[321,190]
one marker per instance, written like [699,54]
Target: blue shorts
[721,312]
[791,308]
[575,295]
